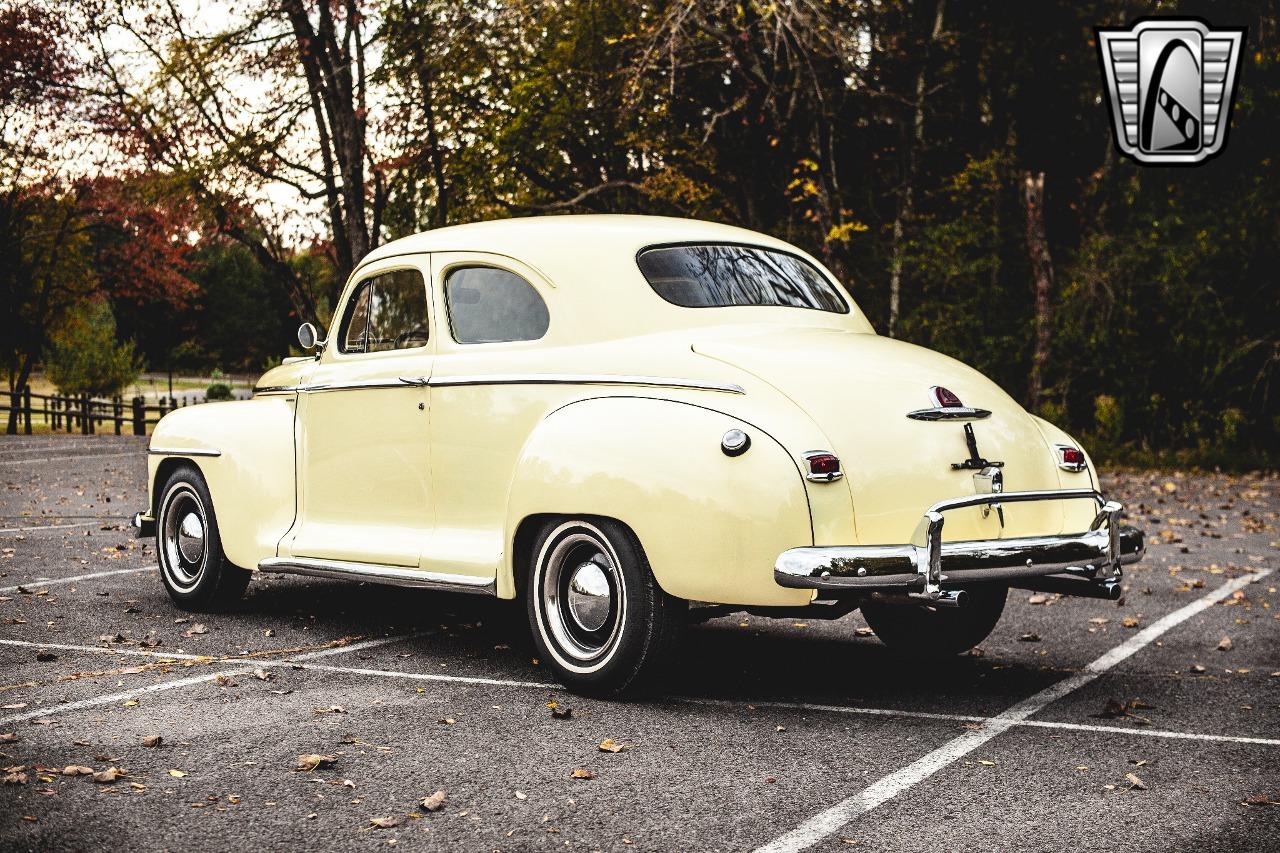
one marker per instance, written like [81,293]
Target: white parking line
[112,698]
[831,820]
[36,585]
[57,526]
[69,457]
[687,700]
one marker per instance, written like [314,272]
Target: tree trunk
[1042,275]
[906,207]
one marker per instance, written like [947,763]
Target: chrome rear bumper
[933,571]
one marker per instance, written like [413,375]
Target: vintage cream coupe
[615,418]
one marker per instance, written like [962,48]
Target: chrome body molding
[376,573]
[183,451]
[949,413]
[1086,563]
[584,379]
[511,379]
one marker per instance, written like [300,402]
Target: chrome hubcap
[582,595]
[182,533]
[590,598]
[191,538]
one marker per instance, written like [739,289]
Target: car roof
[540,240]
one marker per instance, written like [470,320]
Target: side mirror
[309,337]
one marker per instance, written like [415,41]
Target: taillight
[1070,458]
[824,466]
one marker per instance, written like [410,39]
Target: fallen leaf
[1225,644]
[195,630]
[14,777]
[582,773]
[178,774]
[77,770]
[433,803]
[11,737]
[1038,598]
[332,709]
[45,657]
[1030,638]
[385,822]
[1131,621]
[610,745]
[152,741]
[262,675]
[985,763]
[447,721]
[1195,667]
[521,795]
[111,774]
[310,761]
[1134,782]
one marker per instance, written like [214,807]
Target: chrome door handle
[414,380]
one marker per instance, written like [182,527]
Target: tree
[84,357]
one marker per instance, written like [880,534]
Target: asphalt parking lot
[1084,725]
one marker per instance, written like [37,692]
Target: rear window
[723,275]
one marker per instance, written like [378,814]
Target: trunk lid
[858,389]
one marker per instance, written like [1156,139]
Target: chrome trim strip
[512,379]
[584,379]
[182,451]
[377,573]
[949,413]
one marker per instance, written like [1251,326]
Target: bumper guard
[931,571]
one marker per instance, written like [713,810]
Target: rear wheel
[598,616]
[195,572]
[922,632]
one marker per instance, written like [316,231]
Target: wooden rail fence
[88,415]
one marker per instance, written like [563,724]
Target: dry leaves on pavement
[311,760]
[433,803]
[610,745]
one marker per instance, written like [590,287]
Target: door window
[489,305]
[386,312]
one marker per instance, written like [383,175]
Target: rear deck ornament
[1170,84]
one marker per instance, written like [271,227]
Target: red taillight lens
[1071,458]
[823,466]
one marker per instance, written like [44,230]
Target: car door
[363,424]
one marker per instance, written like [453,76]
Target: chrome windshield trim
[183,451]
[949,413]
[377,573]
[584,379]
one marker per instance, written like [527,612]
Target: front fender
[711,526]
[251,479]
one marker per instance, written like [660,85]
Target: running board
[376,573]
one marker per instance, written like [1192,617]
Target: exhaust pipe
[946,598]
[1108,590]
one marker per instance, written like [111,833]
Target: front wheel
[598,616]
[921,632]
[196,574]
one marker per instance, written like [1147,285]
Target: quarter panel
[711,526]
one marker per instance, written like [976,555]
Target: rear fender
[711,526]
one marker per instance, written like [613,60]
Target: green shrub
[218,391]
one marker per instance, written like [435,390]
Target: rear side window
[488,305]
[718,275]
[387,312]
